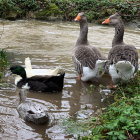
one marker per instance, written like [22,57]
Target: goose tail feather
[125,69]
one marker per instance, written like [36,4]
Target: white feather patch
[89,73]
[113,71]
[17,79]
[33,72]
[26,86]
[123,70]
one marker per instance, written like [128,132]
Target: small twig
[2,31]
[134,3]
[129,135]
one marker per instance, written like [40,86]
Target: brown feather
[85,56]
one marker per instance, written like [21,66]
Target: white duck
[36,72]
[33,72]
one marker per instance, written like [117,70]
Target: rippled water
[50,44]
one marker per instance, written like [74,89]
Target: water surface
[50,44]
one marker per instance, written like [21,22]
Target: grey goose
[123,58]
[88,61]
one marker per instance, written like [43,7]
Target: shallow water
[50,44]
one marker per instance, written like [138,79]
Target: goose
[34,72]
[30,111]
[123,58]
[47,83]
[88,61]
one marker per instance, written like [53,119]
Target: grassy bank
[96,10]
[119,121]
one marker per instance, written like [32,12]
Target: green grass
[120,120]
[3,62]
[77,127]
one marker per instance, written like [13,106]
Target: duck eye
[31,112]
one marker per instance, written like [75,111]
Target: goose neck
[82,39]
[119,33]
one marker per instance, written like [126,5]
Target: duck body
[43,83]
[40,72]
[123,58]
[85,55]
[38,83]
[32,112]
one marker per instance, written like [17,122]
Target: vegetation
[3,62]
[119,121]
[17,8]
[96,10]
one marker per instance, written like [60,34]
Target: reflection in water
[50,45]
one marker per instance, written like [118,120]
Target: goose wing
[125,52]
[85,56]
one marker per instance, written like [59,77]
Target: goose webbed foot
[112,86]
[79,77]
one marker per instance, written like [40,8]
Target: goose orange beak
[107,21]
[78,18]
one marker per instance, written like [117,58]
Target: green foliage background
[95,10]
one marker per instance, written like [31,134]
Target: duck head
[18,70]
[113,19]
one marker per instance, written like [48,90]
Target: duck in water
[47,83]
[30,111]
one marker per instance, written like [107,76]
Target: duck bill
[8,73]
[107,21]
[78,18]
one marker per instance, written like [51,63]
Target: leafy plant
[95,10]
[50,10]
[121,120]
[3,62]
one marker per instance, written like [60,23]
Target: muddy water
[50,45]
